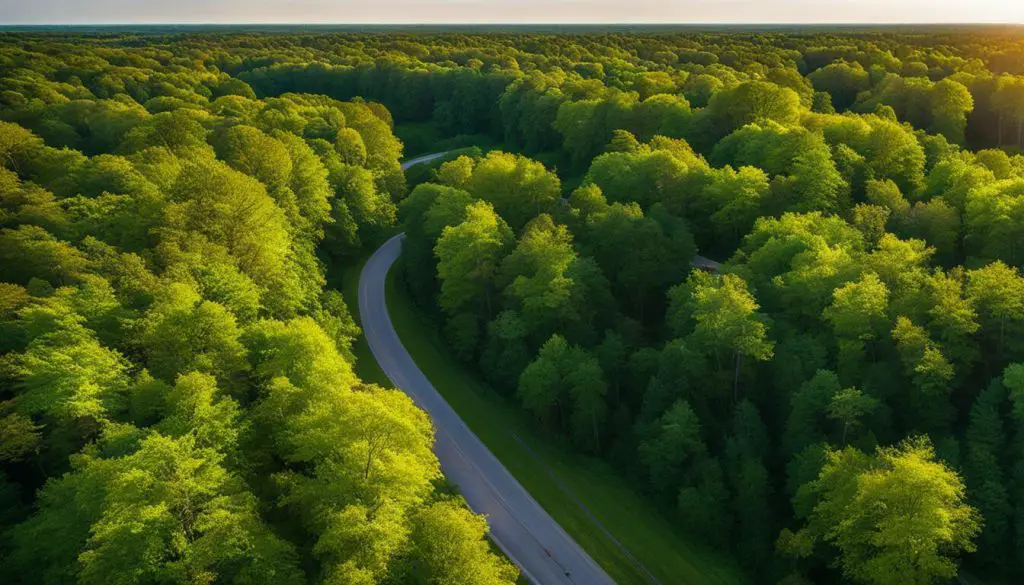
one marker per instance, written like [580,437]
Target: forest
[841,401]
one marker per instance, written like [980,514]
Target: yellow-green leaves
[897,517]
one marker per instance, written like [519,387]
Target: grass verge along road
[631,539]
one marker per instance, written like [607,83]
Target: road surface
[422,159]
[528,535]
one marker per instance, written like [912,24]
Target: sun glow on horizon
[509,11]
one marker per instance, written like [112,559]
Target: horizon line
[607,23]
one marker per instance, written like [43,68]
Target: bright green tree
[898,516]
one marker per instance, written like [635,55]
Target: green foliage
[468,258]
[184,333]
[169,206]
[848,406]
[675,441]
[563,378]
[517,187]
[449,547]
[895,517]
[177,399]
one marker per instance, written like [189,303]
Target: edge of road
[527,512]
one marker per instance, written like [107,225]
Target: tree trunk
[736,379]
[1002,333]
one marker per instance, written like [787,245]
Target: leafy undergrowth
[571,487]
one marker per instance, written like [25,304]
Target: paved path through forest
[523,530]
[527,534]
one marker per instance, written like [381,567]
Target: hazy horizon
[521,12]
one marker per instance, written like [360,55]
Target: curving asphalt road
[528,535]
[422,159]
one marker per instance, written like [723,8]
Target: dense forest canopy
[843,401]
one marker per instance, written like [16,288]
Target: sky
[508,11]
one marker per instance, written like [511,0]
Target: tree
[886,194]
[174,511]
[674,441]
[234,210]
[298,350]
[336,321]
[612,354]
[350,146]
[796,262]
[623,141]
[184,333]
[423,215]
[358,458]
[588,389]
[951,103]
[16,145]
[937,223]
[506,353]
[898,516]
[822,103]
[168,510]
[809,406]
[71,383]
[814,185]
[448,546]
[31,252]
[983,470]
[997,291]
[858,316]
[1008,101]
[252,152]
[178,131]
[568,380]
[842,81]
[746,450]
[47,545]
[848,406]
[19,437]
[196,408]
[370,206]
[724,316]
[309,182]
[754,101]
[992,216]
[893,152]
[639,252]
[26,203]
[931,373]
[953,316]
[1013,382]
[518,187]
[586,125]
[704,505]
[735,198]
[535,277]
[468,258]
[871,221]
[456,173]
